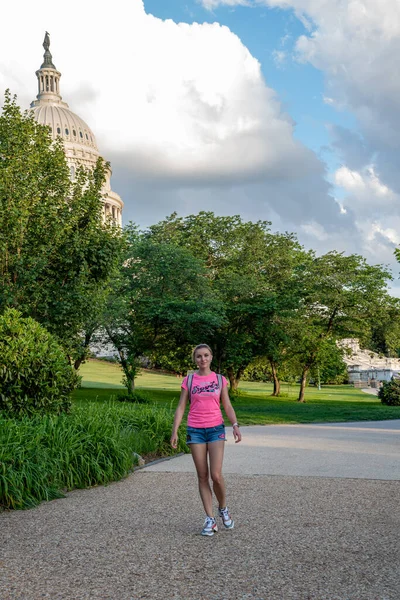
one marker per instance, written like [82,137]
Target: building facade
[79,140]
[366,367]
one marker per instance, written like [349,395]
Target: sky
[277,110]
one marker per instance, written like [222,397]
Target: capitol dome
[64,123]
[79,140]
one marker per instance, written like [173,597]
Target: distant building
[79,140]
[366,367]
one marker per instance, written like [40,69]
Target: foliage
[56,254]
[35,376]
[280,302]
[246,266]
[383,336]
[339,298]
[258,370]
[331,368]
[389,393]
[96,444]
[161,300]
[177,360]
[136,397]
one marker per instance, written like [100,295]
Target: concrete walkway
[317,518]
[366,450]
[369,390]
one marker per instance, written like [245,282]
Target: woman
[206,432]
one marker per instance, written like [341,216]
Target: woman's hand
[237,434]
[174,440]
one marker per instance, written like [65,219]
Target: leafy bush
[389,393]
[258,370]
[35,376]
[42,456]
[135,397]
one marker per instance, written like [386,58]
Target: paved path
[373,391]
[323,534]
[367,450]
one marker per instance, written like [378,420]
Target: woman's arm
[180,411]
[230,413]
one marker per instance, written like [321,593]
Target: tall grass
[41,457]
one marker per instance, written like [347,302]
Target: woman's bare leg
[199,454]
[216,454]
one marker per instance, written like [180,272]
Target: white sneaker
[226,518]
[210,526]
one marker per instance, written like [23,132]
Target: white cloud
[279,57]
[365,188]
[176,99]
[375,208]
[316,230]
[356,44]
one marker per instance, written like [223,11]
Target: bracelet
[235,425]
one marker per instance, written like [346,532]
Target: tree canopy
[55,251]
[161,301]
[251,270]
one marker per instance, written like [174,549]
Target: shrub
[389,393]
[135,397]
[35,376]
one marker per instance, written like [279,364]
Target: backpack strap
[189,384]
[220,382]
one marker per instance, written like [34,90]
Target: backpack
[190,382]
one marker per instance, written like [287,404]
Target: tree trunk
[130,382]
[234,378]
[82,358]
[219,365]
[277,383]
[303,384]
[127,369]
[128,372]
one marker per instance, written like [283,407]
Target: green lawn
[105,375]
[101,381]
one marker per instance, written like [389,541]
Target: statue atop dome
[46,42]
[48,59]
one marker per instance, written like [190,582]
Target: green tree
[55,252]
[161,301]
[383,335]
[341,295]
[331,368]
[249,268]
[177,360]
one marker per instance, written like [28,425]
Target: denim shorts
[205,435]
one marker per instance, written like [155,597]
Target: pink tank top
[205,410]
